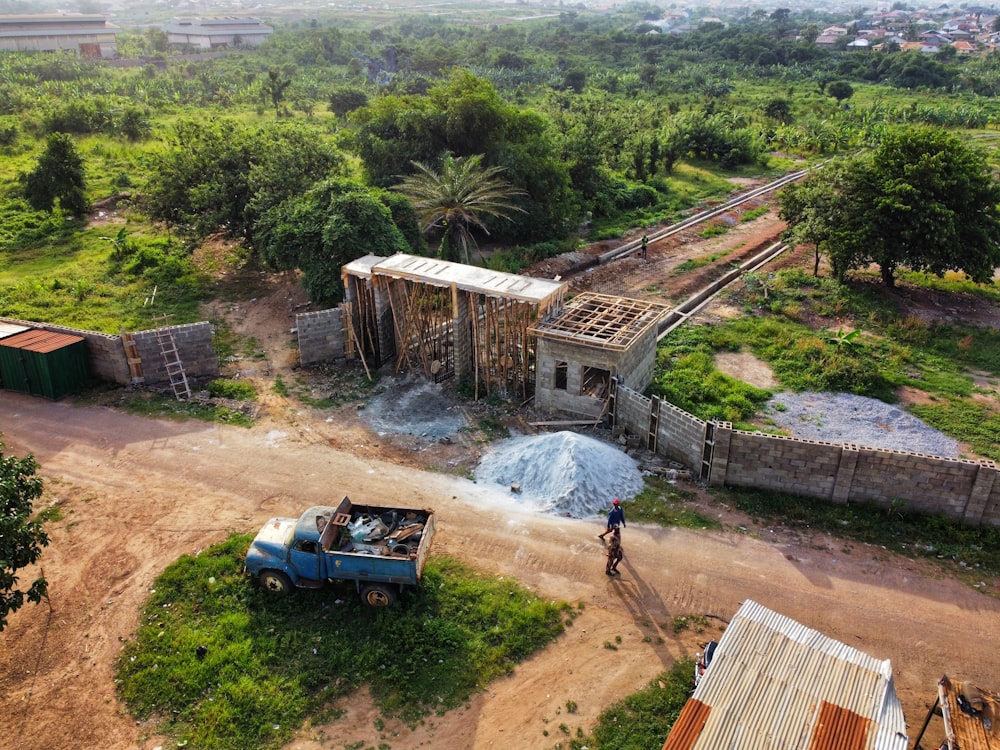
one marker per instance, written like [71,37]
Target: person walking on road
[615,553]
[616,518]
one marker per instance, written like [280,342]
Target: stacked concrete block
[926,484]
[774,462]
[321,336]
[194,349]
[680,436]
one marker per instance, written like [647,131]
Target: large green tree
[456,200]
[333,223]
[21,539]
[920,198]
[223,175]
[58,176]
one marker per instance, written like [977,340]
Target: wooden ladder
[172,360]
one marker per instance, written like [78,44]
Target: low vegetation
[796,323]
[220,663]
[969,553]
[664,504]
[643,719]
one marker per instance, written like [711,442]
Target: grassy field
[269,663]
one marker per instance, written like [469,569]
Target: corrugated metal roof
[35,340]
[9,329]
[774,683]
[468,278]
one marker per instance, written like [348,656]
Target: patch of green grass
[643,719]
[663,504]
[272,662]
[241,390]
[969,552]
[51,513]
[977,423]
[692,264]
[164,406]
[686,376]
[493,429]
[328,386]
[714,230]
[280,387]
[753,213]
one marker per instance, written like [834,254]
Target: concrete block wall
[928,484]
[966,490]
[321,336]
[773,462]
[680,436]
[106,356]
[194,347]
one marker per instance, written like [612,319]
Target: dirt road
[135,494]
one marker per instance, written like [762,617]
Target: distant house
[774,683]
[86,35]
[964,48]
[827,40]
[859,43]
[217,32]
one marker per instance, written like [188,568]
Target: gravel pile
[562,472]
[413,406]
[844,418]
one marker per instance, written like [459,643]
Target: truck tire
[377,595]
[276,582]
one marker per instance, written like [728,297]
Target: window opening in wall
[561,368]
[595,382]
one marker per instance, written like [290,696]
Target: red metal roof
[40,341]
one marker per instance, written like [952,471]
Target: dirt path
[136,494]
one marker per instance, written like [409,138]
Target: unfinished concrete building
[448,319]
[596,338]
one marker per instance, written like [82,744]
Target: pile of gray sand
[413,407]
[562,472]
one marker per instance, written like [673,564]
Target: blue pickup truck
[382,549]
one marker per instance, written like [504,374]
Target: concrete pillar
[462,334]
[716,453]
[980,494]
[845,473]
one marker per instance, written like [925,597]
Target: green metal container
[43,363]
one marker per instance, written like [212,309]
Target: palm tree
[458,199]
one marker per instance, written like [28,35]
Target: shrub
[235,389]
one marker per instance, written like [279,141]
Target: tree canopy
[222,175]
[21,539]
[457,199]
[331,224]
[58,176]
[920,198]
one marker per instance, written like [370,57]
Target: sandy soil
[135,494]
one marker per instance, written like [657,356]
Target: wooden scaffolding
[450,319]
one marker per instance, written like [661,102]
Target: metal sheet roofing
[9,329]
[468,278]
[778,685]
[36,340]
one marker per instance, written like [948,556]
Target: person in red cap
[616,518]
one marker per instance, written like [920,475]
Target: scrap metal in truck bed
[381,548]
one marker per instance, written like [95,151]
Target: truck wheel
[377,595]
[276,582]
